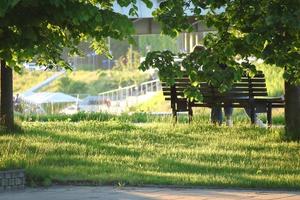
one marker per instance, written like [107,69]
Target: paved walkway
[147,193]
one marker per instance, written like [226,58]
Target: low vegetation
[201,115]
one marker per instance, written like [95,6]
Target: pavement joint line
[136,193]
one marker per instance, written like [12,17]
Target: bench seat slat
[238,84]
[218,95]
[255,80]
[235,89]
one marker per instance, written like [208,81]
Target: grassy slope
[26,80]
[154,153]
[101,80]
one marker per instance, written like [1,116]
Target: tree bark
[6,112]
[292,111]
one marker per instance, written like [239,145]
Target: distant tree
[70,86]
[40,30]
[154,43]
[129,62]
[266,29]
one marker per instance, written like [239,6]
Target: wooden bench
[249,93]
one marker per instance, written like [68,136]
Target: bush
[81,116]
[70,86]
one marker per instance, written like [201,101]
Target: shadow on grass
[107,173]
[115,155]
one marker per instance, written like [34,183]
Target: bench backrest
[247,88]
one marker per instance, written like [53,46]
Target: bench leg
[269,115]
[252,115]
[174,116]
[190,115]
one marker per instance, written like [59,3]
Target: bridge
[145,24]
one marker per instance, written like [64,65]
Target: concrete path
[147,193]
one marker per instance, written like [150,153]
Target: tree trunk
[6,112]
[292,111]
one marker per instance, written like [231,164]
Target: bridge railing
[133,90]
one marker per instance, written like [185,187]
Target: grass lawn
[123,153]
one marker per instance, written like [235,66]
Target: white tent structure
[47,102]
[50,97]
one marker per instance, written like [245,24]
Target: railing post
[99,102]
[153,86]
[134,90]
[126,95]
[141,89]
[146,89]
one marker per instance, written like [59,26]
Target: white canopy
[49,97]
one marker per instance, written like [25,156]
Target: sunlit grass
[153,153]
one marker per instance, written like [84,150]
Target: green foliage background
[157,42]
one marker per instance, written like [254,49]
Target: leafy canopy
[40,30]
[266,29]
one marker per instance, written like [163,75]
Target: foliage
[71,87]
[155,153]
[40,30]
[264,29]
[128,62]
[164,61]
[156,43]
